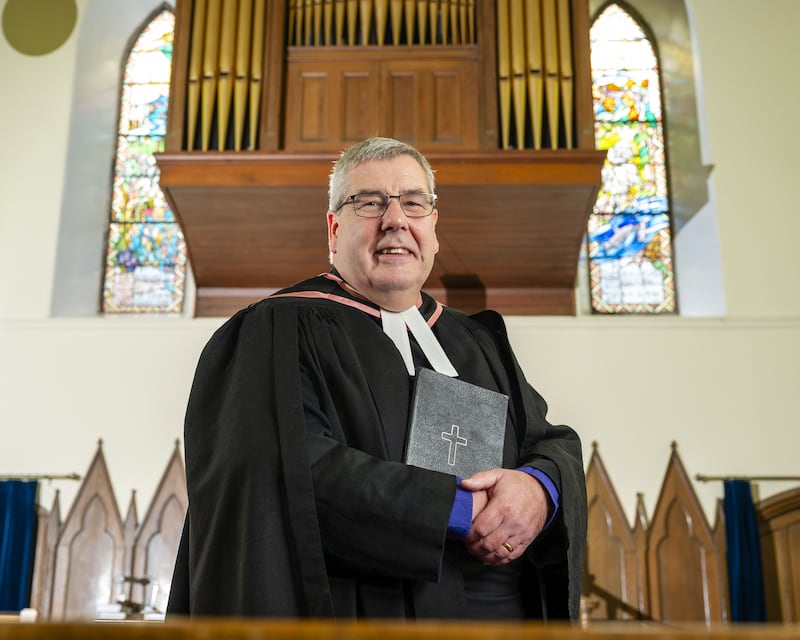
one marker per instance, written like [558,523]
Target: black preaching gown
[299,504]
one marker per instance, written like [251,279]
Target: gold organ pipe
[210,57]
[422,20]
[308,22]
[339,12]
[518,88]
[410,10]
[433,8]
[565,63]
[471,18]
[396,7]
[327,20]
[533,50]
[257,68]
[195,71]
[227,52]
[503,67]
[298,22]
[317,22]
[550,34]
[454,22]
[242,69]
[381,16]
[444,14]
[366,20]
[463,22]
[352,15]
[290,22]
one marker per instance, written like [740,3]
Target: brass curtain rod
[41,476]
[701,478]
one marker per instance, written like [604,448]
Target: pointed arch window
[629,235]
[146,253]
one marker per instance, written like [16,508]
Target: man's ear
[333,227]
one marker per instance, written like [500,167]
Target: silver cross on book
[455,427]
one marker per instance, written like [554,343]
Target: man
[299,502]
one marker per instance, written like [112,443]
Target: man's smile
[393,251]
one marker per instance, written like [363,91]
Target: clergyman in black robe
[299,502]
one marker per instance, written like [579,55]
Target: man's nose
[394,217]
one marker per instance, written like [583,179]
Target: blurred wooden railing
[390,630]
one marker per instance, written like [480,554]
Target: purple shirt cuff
[549,487]
[461,514]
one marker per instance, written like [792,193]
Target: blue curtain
[745,573]
[17,542]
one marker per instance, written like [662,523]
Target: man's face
[386,259]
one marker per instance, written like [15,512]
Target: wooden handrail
[391,630]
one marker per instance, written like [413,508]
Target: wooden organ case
[497,94]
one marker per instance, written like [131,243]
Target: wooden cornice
[510,224]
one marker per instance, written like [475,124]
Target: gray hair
[371,149]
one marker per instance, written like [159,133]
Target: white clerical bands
[508,547]
[394,326]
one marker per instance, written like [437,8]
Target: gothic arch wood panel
[157,540]
[683,562]
[90,553]
[612,577]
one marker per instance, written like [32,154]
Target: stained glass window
[629,235]
[146,253]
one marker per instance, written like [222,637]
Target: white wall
[35,95]
[724,389]
[748,54]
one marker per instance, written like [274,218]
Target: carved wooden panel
[425,97]
[672,569]
[431,103]
[90,551]
[780,545]
[326,103]
[156,545]
[613,583]
[683,561]
[96,560]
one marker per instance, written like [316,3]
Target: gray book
[455,427]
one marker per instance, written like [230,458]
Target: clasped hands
[509,509]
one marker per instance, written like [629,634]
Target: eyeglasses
[374,205]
